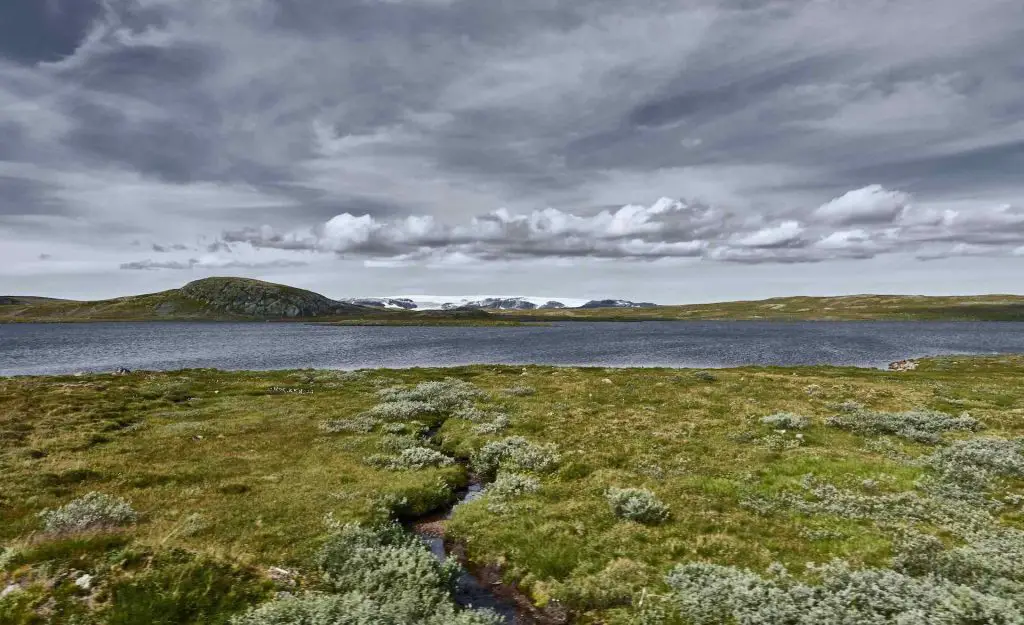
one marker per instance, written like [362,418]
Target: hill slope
[241,299]
[208,299]
[842,308]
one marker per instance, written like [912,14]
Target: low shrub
[786,421]
[380,576]
[400,410]
[90,512]
[637,504]
[445,396]
[511,485]
[705,376]
[353,608]
[514,454]
[362,424]
[500,423]
[710,594]
[998,456]
[411,459]
[520,390]
[923,426]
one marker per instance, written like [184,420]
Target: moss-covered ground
[232,473]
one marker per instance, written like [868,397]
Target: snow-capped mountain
[502,303]
[616,303]
[383,302]
[487,302]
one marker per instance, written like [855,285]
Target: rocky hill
[210,299]
[265,300]
[616,303]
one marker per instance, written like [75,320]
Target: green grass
[231,474]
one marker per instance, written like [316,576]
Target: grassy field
[233,473]
[845,308]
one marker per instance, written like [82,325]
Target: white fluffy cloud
[887,221]
[867,205]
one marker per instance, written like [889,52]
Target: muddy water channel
[481,587]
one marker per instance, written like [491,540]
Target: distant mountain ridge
[243,299]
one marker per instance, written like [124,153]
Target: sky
[655,150]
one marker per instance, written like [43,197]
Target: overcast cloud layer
[665,151]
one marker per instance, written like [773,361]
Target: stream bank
[482,586]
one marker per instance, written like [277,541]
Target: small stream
[470,591]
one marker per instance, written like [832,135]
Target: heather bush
[411,459]
[637,504]
[514,454]
[786,421]
[923,426]
[705,376]
[90,512]
[709,594]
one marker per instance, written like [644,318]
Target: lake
[30,349]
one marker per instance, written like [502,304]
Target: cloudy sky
[658,150]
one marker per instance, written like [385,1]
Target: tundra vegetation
[654,496]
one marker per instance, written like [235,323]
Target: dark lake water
[68,348]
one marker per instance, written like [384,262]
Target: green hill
[227,299]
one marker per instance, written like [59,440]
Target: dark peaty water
[68,348]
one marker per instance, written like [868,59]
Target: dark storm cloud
[796,131]
[33,31]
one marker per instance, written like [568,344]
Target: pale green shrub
[90,512]
[400,410]
[382,576]
[923,426]
[507,487]
[520,390]
[442,397]
[997,456]
[786,421]
[500,423]
[353,608]
[362,424]
[514,454]
[411,459]
[709,594]
[510,485]
[637,504]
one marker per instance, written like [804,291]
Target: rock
[84,581]
[903,365]
[281,576]
[122,371]
[11,589]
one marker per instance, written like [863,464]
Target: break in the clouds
[330,141]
